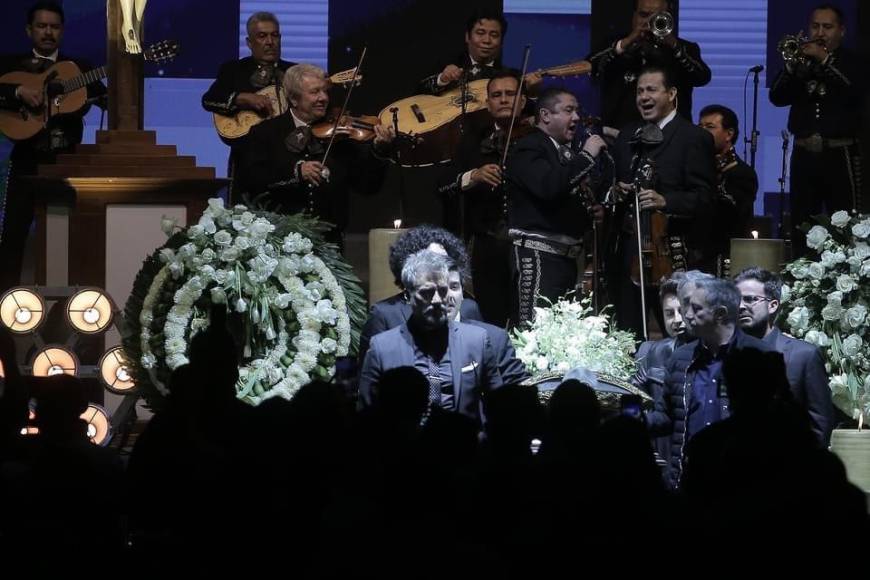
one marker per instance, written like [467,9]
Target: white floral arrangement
[827,299]
[297,304]
[568,334]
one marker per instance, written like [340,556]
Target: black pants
[491,268]
[538,274]
[823,182]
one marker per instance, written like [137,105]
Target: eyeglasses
[751,300]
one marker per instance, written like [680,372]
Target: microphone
[757,68]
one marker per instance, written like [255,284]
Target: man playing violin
[45,28]
[683,186]
[826,91]
[283,157]
[549,213]
[475,174]
[736,180]
[238,81]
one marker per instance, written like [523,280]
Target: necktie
[434,384]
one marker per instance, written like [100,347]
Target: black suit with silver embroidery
[268,166]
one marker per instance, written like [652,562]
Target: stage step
[127,149]
[126,171]
[126,160]
[127,137]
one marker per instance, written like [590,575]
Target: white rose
[168,225]
[176,269]
[563,367]
[243,221]
[541,363]
[846,283]
[207,224]
[241,305]
[865,269]
[223,238]
[861,249]
[167,255]
[840,219]
[856,315]
[852,345]
[816,271]
[195,232]
[243,242]
[832,312]
[328,346]
[785,293]
[799,270]
[218,296]
[831,259]
[816,237]
[216,205]
[861,229]
[799,318]
[230,254]
[835,297]
[261,228]
[817,338]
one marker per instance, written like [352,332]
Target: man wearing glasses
[761,294]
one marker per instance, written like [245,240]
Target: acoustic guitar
[231,127]
[65,89]
[424,113]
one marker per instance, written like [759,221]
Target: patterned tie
[434,384]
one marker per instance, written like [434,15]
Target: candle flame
[754,235]
[397,224]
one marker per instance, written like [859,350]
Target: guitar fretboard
[82,80]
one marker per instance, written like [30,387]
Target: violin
[358,128]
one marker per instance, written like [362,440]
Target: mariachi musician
[285,159]
[238,81]
[664,164]
[736,182]
[548,214]
[475,175]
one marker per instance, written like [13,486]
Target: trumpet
[661,24]
[790,47]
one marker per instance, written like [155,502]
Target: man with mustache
[548,210]
[474,178]
[283,159]
[456,358]
[682,156]
[45,28]
[826,93]
[235,88]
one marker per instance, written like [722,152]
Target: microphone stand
[398,150]
[783,233]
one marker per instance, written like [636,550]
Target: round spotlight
[89,311]
[115,372]
[55,360]
[99,427]
[22,310]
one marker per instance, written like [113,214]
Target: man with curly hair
[395,310]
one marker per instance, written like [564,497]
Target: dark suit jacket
[472,359]
[685,176]
[236,77]
[512,369]
[734,209]
[617,77]
[395,311]
[269,157]
[808,380]
[430,86]
[544,187]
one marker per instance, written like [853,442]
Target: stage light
[22,310]
[115,372]
[89,311]
[99,427]
[55,360]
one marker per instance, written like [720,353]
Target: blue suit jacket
[808,381]
[475,370]
[395,311]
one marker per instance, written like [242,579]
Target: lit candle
[381,283]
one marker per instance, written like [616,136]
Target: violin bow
[343,106]
[514,111]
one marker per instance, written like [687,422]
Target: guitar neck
[85,79]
